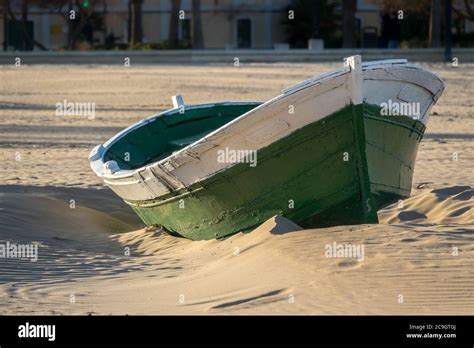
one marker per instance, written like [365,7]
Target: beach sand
[96,257]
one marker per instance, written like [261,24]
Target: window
[244,33]
[185,29]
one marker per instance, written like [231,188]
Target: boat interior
[160,136]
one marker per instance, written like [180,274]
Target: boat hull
[331,150]
[334,171]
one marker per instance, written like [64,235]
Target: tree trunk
[349,8]
[24,23]
[76,32]
[136,35]
[435,23]
[70,27]
[447,31]
[198,41]
[5,24]
[174,22]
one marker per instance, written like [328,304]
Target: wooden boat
[330,150]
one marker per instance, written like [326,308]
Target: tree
[302,27]
[174,23]
[467,12]
[62,8]
[80,15]
[349,7]
[28,41]
[412,18]
[198,41]
[419,6]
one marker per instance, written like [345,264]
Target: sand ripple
[278,268]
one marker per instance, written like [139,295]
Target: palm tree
[198,41]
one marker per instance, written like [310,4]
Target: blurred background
[234,24]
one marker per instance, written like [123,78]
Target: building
[225,23]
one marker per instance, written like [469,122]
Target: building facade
[225,23]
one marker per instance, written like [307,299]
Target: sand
[95,257]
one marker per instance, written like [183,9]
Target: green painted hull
[391,147]
[336,171]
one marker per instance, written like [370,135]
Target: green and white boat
[331,150]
